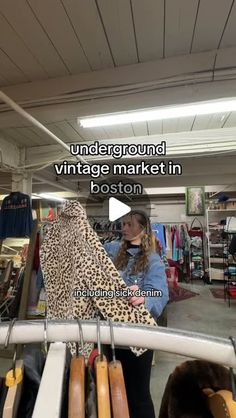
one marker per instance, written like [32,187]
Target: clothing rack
[190,344]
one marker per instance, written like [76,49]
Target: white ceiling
[70,131]
[53,38]
[61,59]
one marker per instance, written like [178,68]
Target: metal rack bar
[190,344]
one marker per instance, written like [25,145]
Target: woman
[139,264]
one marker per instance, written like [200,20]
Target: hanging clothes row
[100,223]
[54,384]
[64,386]
[174,239]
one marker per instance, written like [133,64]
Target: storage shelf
[222,210]
[216,245]
[217,260]
[219,257]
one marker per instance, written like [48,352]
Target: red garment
[93,355]
[172,276]
[51,215]
[177,234]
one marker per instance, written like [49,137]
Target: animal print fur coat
[184,396]
[72,257]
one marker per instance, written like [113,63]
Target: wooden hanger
[102,382]
[221,403]
[119,401]
[76,408]
[14,383]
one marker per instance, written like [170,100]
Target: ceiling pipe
[36,123]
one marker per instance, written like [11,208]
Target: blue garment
[159,231]
[153,278]
[16,216]
[39,281]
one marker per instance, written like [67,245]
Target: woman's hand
[136,300]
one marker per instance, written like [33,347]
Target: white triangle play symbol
[117,209]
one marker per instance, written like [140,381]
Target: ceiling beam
[211,139]
[167,70]
[129,75]
[56,182]
[9,155]
[174,80]
[207,90]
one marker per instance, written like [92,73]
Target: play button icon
[117,209]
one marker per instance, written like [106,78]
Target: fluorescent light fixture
[160,113]
[49,196]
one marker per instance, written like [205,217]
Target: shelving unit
[216,257]
[229,270]
[197,253]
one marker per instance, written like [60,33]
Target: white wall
[161,211]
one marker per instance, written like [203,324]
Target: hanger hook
[232,340]
[99,338]
[112,341]
[81,338]
[81,334]
[9,331]
[45,323]
[14,362]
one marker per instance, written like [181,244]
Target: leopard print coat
[72,257]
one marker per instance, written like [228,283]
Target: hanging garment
[16,216]
[184,394]
[169,248]
[91,393]
[33,294]
[3,394]
[74,261]
[36,253]
[34,360]
[159,231]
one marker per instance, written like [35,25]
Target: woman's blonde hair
[146,247]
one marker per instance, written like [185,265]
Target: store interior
[117,58]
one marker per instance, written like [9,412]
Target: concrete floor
[202,313]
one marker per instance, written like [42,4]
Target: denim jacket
[153,278]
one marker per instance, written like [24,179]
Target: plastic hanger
[102,382]
[119,401]
[50,394]
[76,407]
[14,380]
